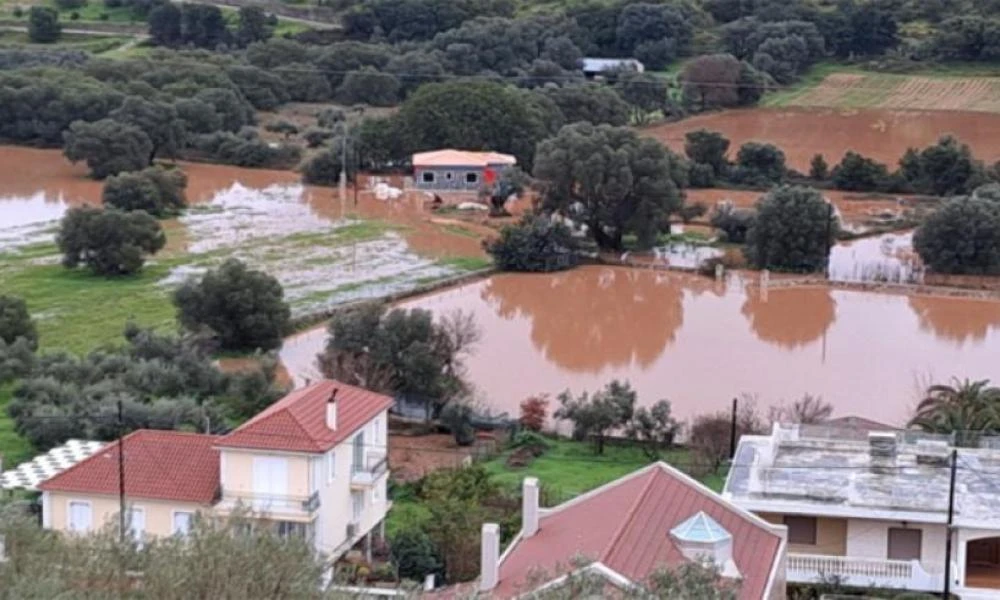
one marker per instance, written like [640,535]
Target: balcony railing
[272,503]
[909,574]
[374,466]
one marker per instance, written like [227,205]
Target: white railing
[907,574]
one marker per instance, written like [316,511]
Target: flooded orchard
[700,342]
[876,133]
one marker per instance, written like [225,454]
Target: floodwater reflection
[699,343]
[790,317]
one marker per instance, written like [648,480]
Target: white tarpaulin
[28,475]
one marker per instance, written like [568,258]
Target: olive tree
[245,309]
[794,230]
[595,416]
[109,242]
[43,25]
[108,147]
[15,321]
[534,244]
[158,191]
[611,179]
[963,237]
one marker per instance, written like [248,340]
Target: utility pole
[121,473]
[829,233]
[951,516]
[732,433]
[343,170]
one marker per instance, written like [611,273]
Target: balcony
[365,473]
[272,505]
[862,572]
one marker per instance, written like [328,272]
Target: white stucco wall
[870,539]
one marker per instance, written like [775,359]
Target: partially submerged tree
[109,242]
[510,183]
[244,308]
[16,322]
[108,147]
[961,237]
[611,179]
[158,191]
[401,352]
[794,229]
[595,416]
[536,243]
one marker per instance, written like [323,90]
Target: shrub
[532,440]
[415,555]
[759,164]
[158,191]
[961,237]
[793,231]
[533,412]
[43,25]
[246,150]
[286,128]
[457,417]
[690,212]
[707,148]
[733,222]
[16,322]
[18,12]
[317,137]
[245,309]
[74,16]
[594,417]
[818,169]
[654,428]
[858,173]
[325,167]
[535,243]
[109,242]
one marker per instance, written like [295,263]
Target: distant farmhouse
[457,170]
[593,67]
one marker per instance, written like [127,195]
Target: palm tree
[966,408]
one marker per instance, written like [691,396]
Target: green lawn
[571,468]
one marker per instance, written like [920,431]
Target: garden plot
[320,262]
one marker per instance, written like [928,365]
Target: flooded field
[699,343]
[323,249]
[877,133]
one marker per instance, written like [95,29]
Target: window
[904,544]
[427,176]
[448,175]
[182,523]
[291,529]
[471,178]
[79,516]
[801,530]
[357,506]
[331,466]
[136,523]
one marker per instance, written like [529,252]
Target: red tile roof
[159,465]
[626,527]
[297,422]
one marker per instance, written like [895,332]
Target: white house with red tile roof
[313,463]
[655,517]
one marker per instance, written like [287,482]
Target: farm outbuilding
[457,170]
[594,67]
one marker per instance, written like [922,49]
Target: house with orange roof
[656,517]
[458,170]
[313,464]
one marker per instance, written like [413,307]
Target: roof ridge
[72,468]
[628,518]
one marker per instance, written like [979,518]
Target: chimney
[331,410]
[529,507]
[429,583]
[882,450]
[489,567]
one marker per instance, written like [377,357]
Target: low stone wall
[972,282]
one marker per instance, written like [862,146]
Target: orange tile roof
[159,465]
[626,526]
[297,422]
[461,158]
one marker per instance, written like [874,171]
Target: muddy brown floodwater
[699,343]
[880,134]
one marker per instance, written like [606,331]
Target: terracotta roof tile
[159,465]
[626,526]
[297,422]
[461,158]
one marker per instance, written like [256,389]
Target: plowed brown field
[878,133]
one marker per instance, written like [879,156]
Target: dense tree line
[163,382]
